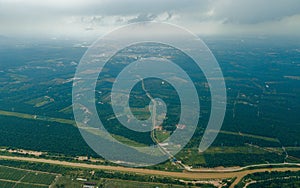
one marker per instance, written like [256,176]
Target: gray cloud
[255,11]
[71,17]
[142,18]
[129,7]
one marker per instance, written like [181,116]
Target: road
[162,149]
[244,168]
[197,175]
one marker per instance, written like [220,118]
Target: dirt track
[190,175]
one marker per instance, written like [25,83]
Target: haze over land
[256,44]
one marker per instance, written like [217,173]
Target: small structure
[163,144]
[158,127]
[89,185]
[81,179]
[180,126]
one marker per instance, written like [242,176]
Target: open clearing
[72,122]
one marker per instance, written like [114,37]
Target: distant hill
[2,38]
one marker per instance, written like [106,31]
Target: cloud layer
[95,17]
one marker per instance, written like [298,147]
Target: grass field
[6,184]
[39,102]
[251,136]
[14,177]
[31,116]
[134,184]
[114,183]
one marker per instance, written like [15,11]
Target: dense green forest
[262,92]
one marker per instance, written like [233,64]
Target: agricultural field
[271,179]
[15,177]
[75,177]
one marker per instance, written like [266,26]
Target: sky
[81,18]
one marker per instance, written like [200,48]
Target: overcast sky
[96,17]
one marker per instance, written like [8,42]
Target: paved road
[237,169]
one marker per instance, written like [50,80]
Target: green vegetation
[36,117]
[240,159]
[38,135]
[250,136]
[11,174]
[6,184]
[70,174]
[191,156]
[23,185]
[161,135]
[41,101]
[24,178]
[262,108]
[134,184]
[67,110]
[67,182]
[276,183]
[271,179]
[39,178]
